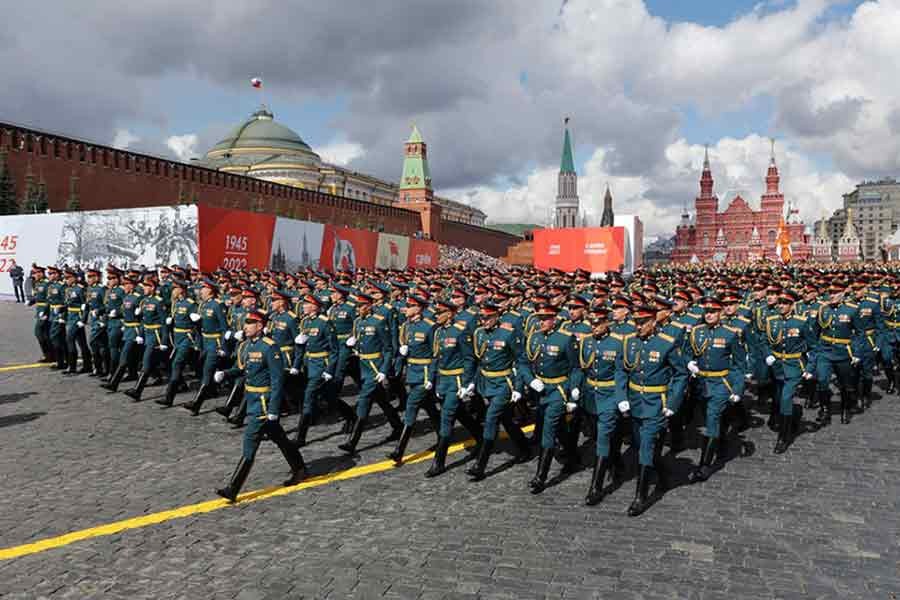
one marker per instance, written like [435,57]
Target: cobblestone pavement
[818,522]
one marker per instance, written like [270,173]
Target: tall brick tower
[608,218]
[772,206]
[567,187]
[707,207]
[415,185]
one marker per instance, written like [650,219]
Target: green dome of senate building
[262,131]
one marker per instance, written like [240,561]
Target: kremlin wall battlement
[79,175]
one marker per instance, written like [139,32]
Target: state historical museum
[739,233]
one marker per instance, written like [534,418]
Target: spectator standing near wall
[17,274]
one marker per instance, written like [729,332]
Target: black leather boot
[824,408]
[641,489]
[237,419]
[891,379]
[302,429]
[230,492]
[707,452]
[138,389]
[545,459]
[202,394]
[784,432]
[71,364]
[350,445]
[439,464]
[476,471]
[298,467]
[113,385]
[846,404]
[234,399]
[397,453]
[595,492]
[170,394]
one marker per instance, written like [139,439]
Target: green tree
[9,205]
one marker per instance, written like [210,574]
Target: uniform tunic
[455,362]
[719,355]
[498,353]
[419,364]
[597,358]
[551,357]
[791,342]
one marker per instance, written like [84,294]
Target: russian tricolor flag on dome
[256,82]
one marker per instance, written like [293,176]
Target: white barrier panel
[27,239]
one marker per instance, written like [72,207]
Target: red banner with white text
[424,254]
[234,239]
[594,249]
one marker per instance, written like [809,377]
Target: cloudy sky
[645,83]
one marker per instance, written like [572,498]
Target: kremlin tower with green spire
[415,184]
[567,187]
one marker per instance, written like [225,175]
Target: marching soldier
[259,361]
[650,380]
[76,315]
[552,372]
[789,347]
[113,297]
[497,353]
[317,357]
[342,314]
[597,357]
[455,363]
[839,344]
[154,336]
[130,313]
[371,339]
[56,297]
[184,338]
[213,325]
[872,323]
[42,314]
[98,343]
[248,303]
[416,339]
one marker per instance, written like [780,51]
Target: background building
[739,233]
[875,209]
[567,188]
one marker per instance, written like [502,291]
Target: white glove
[854,361]
[570,407]
[219,376]
[469,390]
[667,413]
[102,325]
[44,317]
[807,375]
[734,398]
[195,317]
[41,315]
[168,320]
[80,324]
[271,417]
[301,339]
[748,376]
[61,321]
[239,334]
[137,311]
[113,314]
[770,360]
[294,371]
[228,335]
[624,406]
[576,394]
[428,385]
[94,312]
[404,350]
[220,352]
[516,396]
[693,368]
[876,349]
[327,376]
[351,341]
[537,385]
[163,347]
[380,378]
[139,340]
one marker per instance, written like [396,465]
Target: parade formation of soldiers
[673,356]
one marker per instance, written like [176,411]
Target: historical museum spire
[567,186]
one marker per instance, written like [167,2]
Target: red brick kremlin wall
[103,177]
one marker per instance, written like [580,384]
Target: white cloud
[183,146]
[124,138]
[340,153]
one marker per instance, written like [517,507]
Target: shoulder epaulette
[268,341]
[292,313]
[323,317]
[515,313]
[566,333]
[852,304]
[800,317]
[616,336]
[459,326]
[742,318]
[667,337]
[745,306]
[429,321]
[379,317]
[770,317]
[679,325]
[732,329]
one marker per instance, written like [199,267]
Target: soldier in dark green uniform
[498,352]
[342,314]
[112,310]
[650,382]
[184,338]
[259,361]
[551,370]
[56,299]
[130,315]
[597,356]
[578,325]
[76,316]
[42,314]
[455,363]
[416,349]
[97,339]
[248,302]
[790,347]
[841,338]
[154,336]
[372,342]
[317,357]
[213,325]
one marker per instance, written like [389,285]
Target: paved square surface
[818,522]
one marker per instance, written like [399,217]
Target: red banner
[234,239]
[424,254]
[594,249]
[348,249]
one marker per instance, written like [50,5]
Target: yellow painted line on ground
[20,367]
[212,505]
